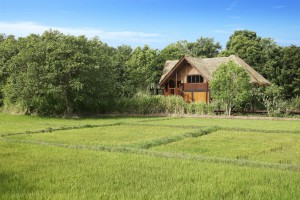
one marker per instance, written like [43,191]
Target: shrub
[273,100]
[199,108]
[293,105]
[148,104]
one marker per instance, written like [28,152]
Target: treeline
[53,73]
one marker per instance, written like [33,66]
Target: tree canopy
[230,85]
[54,73]
[280,65]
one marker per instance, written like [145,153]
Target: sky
[153,22]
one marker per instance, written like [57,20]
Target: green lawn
[148,158]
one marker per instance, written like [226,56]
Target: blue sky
[154,22]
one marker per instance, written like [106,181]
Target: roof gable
[167,68]
[206,67]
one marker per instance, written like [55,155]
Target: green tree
[100,78]
[8,49]
[289,74]
[280,65]
[61,74]
[270,60]
[172,52]
[272,97]
[121,56]
[230,85]
[245,44]
[143,69]
[20,87]
[204,47]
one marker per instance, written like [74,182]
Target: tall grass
[257,125]
[45,172]
[148,104]
[162,158]
[200,108]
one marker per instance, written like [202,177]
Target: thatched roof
[206,67]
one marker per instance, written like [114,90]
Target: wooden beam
[176,80]
[207,98]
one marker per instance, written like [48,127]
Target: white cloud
[22,29]
[222,31]
[279,7]
[287,42]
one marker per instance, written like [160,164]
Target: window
[171,84]
[195,79]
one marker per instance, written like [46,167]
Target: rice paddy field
[148,158]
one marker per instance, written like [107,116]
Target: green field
[148,158]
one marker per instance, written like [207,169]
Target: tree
[230,85]
[173,51]
[273,99]
[26,78]
[245,44]
[204,47]
[270,60]
[61,74]
[280,65]
[8,49]
[143,69]
[122,55]
[289,74]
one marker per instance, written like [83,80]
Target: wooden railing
[172,91]
[195,86]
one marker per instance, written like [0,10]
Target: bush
[273,100]
[174,104]
[293,105]
[199,108]
[148,104]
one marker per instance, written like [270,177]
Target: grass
[148,158]
[119,135]
[261,125]
[60,173]
[265,147]
[21,124]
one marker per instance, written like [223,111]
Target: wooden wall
[193,92]
[183,72]
[201,97]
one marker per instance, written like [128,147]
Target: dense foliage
[54,73]
[230,85]
[280,65]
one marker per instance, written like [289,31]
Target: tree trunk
[228,109]
[67,102]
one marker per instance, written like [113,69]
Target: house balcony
[192,87]
[187,87]
[191,92]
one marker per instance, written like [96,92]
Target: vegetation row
[57,74]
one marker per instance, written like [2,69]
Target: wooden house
[189,77]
